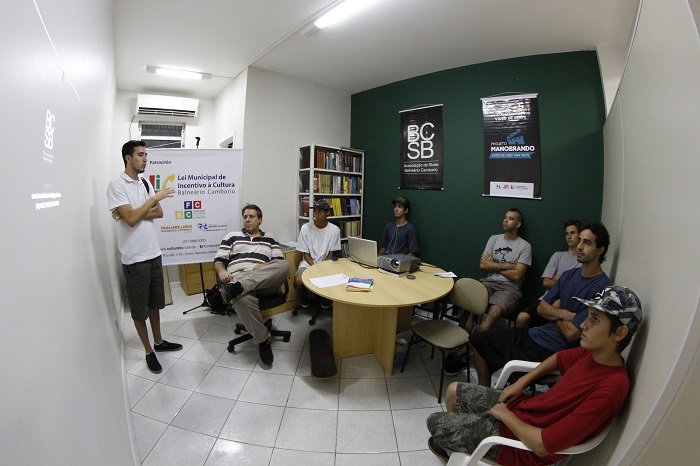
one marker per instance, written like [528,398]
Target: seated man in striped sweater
[250,263]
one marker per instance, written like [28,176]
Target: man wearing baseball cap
[591,391]
[399,236]
[318,240]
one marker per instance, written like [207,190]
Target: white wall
[282,114]
[650,205]
[611,61]
[230,111]
[62,389]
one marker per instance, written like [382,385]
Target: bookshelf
[336,175]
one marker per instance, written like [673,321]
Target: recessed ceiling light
[336,14]
[175,73]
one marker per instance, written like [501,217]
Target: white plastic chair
[477,457]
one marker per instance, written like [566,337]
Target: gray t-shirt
[560,262]
[512,252]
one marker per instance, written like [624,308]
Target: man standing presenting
[250,263]
[399,236]
[560,262]
[560,308]
[132,199]
[318,240]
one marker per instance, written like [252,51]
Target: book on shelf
[352,228]
[339,160]
[304,202]
[360,284]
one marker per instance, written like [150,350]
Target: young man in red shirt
[590,393]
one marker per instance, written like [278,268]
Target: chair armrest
[512,367]
[465,459]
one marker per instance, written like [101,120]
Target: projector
[398,263]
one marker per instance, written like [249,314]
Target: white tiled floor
[212,407]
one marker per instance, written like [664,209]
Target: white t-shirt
[318,242]
[137,243]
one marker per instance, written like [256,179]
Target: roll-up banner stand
[421,148]
[206,205]
[512,149]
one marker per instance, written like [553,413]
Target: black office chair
[265,302]
[317,300]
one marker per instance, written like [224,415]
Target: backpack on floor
[216,301]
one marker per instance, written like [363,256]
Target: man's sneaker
[167,346]
[438,450]
[232,290]
[326,303]
[304,299]
[266,356]
[456,365]
[153,364]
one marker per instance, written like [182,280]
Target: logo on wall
[48,137]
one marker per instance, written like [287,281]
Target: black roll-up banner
[512,152]
[421,148]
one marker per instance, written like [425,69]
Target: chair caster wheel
[285,339]
[230,348]
[295,312]
[237,331]
[312,322]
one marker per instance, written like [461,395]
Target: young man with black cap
[399,236]
[318,240]
[591,391]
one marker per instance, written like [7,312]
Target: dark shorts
[144,287]
[502,294]
[500,345]
[535,319]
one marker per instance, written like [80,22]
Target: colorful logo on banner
[156,181]
[191,209]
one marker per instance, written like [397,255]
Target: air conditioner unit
[168,106]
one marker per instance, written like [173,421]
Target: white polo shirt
[137,243]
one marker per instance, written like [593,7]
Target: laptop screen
[363,251]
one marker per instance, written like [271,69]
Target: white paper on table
[330,280]
[446,275]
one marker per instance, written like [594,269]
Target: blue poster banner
[512,149]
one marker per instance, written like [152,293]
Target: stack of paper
[360,284]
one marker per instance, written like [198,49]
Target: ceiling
[389,41]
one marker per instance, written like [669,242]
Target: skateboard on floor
[322,359]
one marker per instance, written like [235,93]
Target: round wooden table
[365,322]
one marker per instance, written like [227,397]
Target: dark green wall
[454,224]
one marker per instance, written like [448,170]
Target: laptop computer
[363,251]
